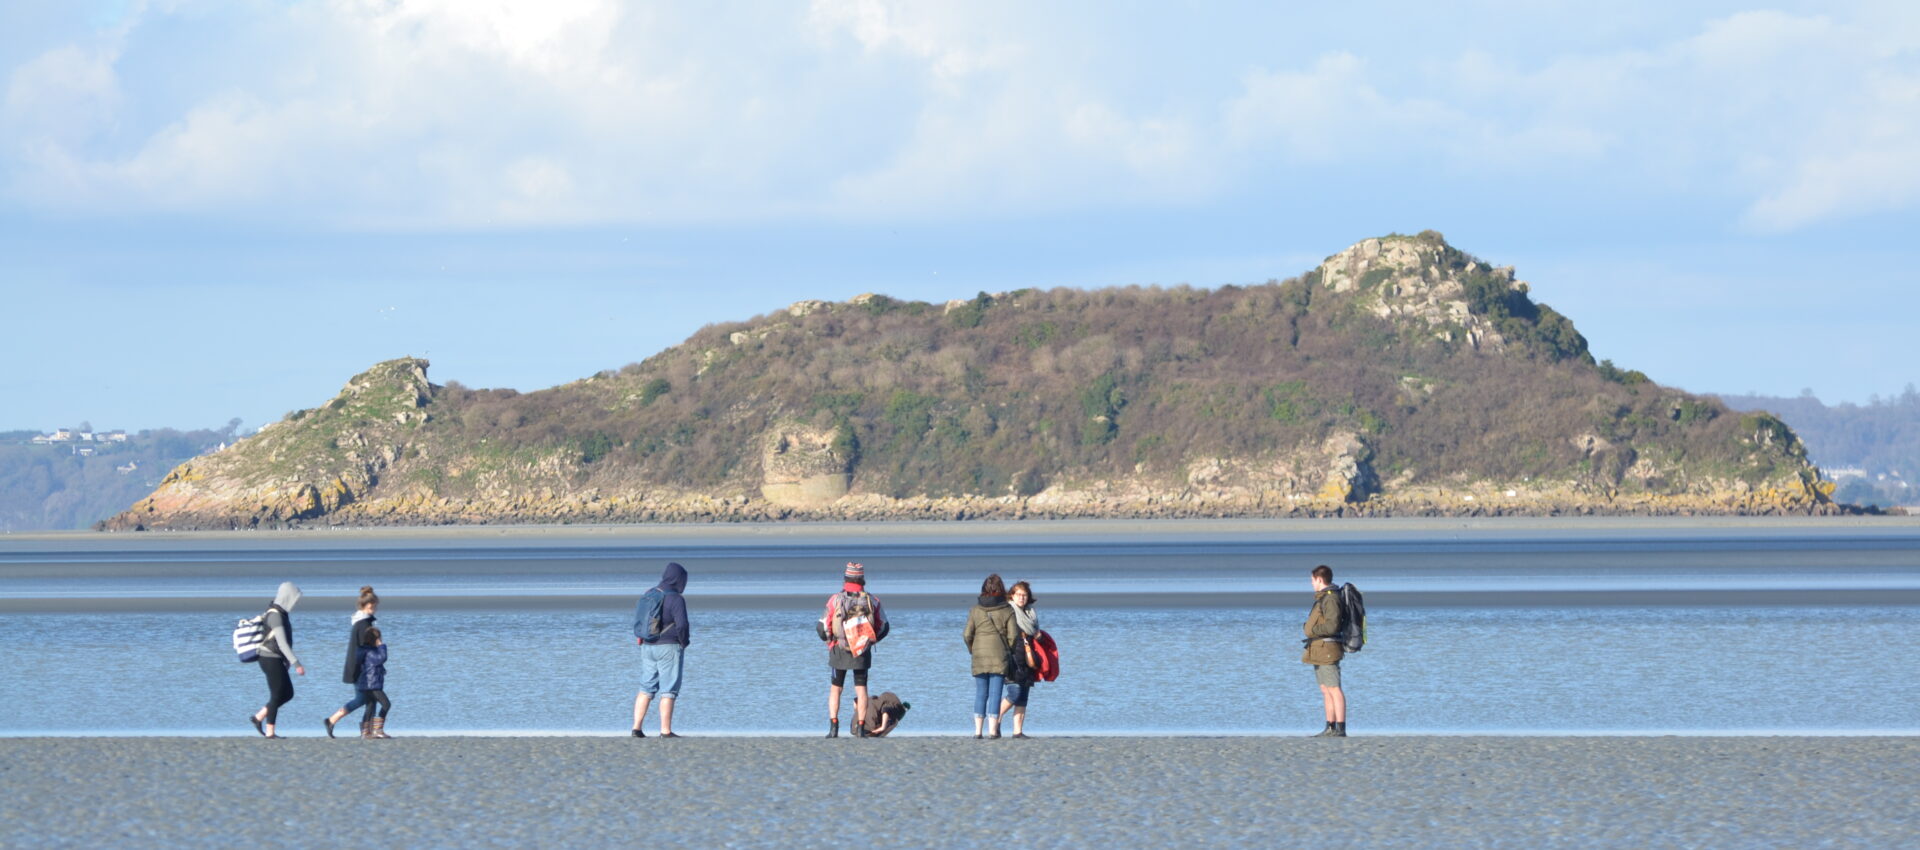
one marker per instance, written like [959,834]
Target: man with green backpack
[1330,630]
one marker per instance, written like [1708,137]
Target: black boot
[860,730]
[833,728]
[1339,730]
[1325,732]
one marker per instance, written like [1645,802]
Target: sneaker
[669,735]
[258,726]
[639,734]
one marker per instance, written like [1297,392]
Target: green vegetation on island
[1401,376]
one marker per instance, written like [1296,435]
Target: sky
[226,209]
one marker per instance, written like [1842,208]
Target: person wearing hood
[660,626]
[275,656]
[990,632]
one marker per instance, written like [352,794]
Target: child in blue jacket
[372,682]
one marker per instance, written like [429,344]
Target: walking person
[990,632]
[275,656]
[853,623]
[1023,669]
[356,649]
[370,688]
[1324,650]
[660,625]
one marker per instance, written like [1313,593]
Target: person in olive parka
[990,632]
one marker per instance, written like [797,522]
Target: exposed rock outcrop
[1400,377]
[802,466]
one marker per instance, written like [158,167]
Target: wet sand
[955,792]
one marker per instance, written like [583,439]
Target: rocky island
[1400,377]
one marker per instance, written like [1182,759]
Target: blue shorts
[660,668]
[1016,694]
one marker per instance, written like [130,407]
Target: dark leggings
[279,686]
[859,678]
[368,699]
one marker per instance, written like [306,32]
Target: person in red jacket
[852,624]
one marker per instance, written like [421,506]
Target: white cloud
[65,92]
[437,113]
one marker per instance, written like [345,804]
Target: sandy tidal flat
[957,792]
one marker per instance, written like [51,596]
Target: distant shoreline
[978,528]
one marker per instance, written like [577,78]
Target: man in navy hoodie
[663,640]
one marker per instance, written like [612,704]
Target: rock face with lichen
[310,465]
[1402,376]
[801,466]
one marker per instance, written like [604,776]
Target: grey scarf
[1026,619]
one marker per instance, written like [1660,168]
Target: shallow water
[1598,670]
[1564,633]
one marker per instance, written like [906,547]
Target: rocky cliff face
[313,464]
[1400,377]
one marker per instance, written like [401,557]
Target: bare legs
[640,704]
[1019,716]
[1335,701]
[859,702]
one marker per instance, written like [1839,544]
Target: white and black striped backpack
[248,634]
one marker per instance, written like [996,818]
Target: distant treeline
[1881,437]
[53,487]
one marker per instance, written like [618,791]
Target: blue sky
[220,209]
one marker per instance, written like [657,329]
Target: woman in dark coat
[990,632]
[1020,679]
[356,648]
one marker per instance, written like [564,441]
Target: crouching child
[884,714]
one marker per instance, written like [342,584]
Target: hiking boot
[379,728]
[833,728]
[366,729]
